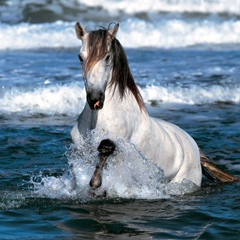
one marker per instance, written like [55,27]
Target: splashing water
[127,174]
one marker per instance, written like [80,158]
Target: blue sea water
[184,56]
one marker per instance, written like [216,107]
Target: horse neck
[119,116]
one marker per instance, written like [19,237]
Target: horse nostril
[96,105]
[95,99]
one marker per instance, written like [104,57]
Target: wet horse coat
[114,106]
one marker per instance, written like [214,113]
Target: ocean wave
[47,100]
[30,24]
[56,100]
[192,95]
[35,11]
[34,36]
[168,33]
[149,7]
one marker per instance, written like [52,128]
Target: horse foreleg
[105,149]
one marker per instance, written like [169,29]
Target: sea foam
[147,23]
[133,33]
[56,100]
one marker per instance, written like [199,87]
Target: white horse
[114,106]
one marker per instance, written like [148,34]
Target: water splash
[128,174]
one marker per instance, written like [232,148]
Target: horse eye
[80,58]
[107,58]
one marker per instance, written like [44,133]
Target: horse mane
[122,77]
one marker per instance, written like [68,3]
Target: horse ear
[113,32]
[80,31]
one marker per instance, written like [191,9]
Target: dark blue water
[34,140]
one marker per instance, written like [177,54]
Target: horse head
[96,59]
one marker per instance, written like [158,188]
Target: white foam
[133,33]
[192,95]
[127,175]
[138,6]
[17,11]
[175,33]
[48,100]
[32,36]
[57,100]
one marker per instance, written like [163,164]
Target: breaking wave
[56,100]
[161,24]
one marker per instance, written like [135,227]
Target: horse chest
[114,124]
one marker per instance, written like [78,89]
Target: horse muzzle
[95,100]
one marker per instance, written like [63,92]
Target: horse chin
[96,109]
